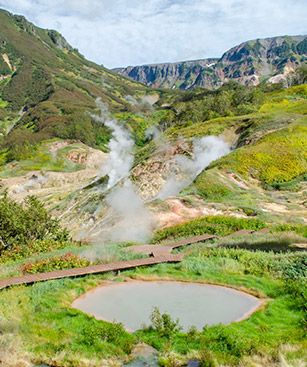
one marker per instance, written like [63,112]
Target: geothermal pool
[194,304]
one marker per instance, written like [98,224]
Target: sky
[133,32]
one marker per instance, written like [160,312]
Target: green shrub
[172,359]
[226,340]
[18,252]
[232,98]
[4,68]
[297,288]
[300,229]
[163,323]
[292,185]
[282,266]
[67,261]
[250,212]
[21,224]
[98,332]
[206,358]
[20,144]
[29,85]
[219,225]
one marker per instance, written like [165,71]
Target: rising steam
[205,151]
[120,157]
[128,219]
[133,220]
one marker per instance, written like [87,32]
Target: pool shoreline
[262,301]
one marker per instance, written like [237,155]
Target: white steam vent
[205,151]
[132,221]
[120,157]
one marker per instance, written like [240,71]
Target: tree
[163,323]
[22,223]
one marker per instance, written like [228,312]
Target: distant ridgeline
[269,59]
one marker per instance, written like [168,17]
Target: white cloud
[130,32]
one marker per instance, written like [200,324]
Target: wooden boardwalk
[94,269]
[163,250]
[191,240]
[158,254]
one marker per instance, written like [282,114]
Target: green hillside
[48,88]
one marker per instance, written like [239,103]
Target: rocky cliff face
[249,63]
[169,75]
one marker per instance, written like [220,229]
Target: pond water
[194,304]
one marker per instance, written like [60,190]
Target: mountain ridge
[248,63]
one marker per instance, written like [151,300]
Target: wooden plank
[161,255]
[94,269]
[191,240]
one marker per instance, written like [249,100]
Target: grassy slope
[271,154]
[58,87]
[42,159]
[276,158]
[272,142]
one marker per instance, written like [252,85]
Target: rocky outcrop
[249,64]
[170,75]
[59,41]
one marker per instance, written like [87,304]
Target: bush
[298,291]
[283,266]
[300,229]
[97,332]
[219,225]
[300,75]
[232,98]
[18,252]
[21,224]
[226,340]
[67,261]
[20,144]
[172,359]
[29,85]
[206,358]
[163,323]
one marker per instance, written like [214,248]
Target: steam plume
[143,104]
[133,221]
[205,151]
[120,157]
